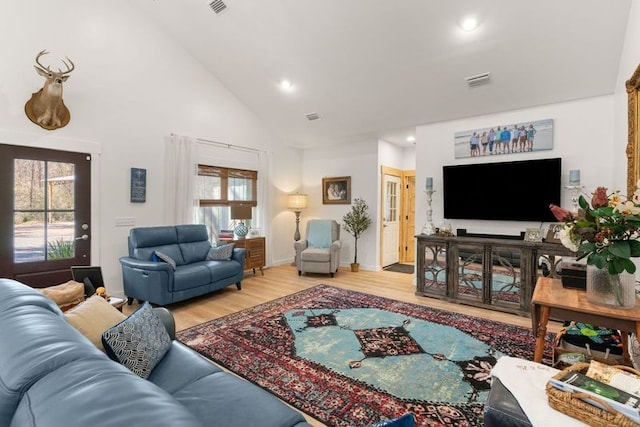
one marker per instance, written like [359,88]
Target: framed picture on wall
[522,137]
[336,191]
[138,185]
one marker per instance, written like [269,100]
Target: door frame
[402,197]
[74,145]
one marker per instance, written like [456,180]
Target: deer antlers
[48,69]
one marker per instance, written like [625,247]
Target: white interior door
[391,223]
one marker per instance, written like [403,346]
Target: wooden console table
[494,273]
[551,299]
[256,252]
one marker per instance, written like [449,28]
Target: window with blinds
[218,186]
[219,189]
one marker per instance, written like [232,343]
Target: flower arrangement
[606,231]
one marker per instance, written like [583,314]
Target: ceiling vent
[217,6]
[477,80]
[312,116]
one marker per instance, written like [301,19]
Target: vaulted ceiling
[374,69]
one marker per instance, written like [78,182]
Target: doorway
[397,244]
[45,212]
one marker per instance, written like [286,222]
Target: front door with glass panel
[44,214]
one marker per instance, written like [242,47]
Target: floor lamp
[297,202]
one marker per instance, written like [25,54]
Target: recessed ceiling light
[411,138]
[469,23]
[286,86]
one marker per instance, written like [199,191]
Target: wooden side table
[256,252]
[117,303]
[551,299]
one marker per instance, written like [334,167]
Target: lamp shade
[297,201]
[240,212]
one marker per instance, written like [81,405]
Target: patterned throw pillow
[222,252]
[161,256]
[139,342]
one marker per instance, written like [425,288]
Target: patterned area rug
[350,359]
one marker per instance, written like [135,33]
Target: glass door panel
[43,210]
[506,275]
[470,272]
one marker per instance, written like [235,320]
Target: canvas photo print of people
[336,190]
[523,137]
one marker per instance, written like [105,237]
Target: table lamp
[240,212]
[297,202]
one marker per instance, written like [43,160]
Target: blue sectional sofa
[188,245]
[51,376]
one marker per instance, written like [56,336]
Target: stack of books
[616,387]
[225,234]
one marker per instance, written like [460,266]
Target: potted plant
[357,222]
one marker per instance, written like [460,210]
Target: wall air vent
[217,6]
[312,116]
[478,79]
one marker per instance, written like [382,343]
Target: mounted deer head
[46,108]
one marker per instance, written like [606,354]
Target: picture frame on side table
[552,233]
[533,235]
[336,191]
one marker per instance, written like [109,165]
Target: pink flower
[561,214]
[600,198]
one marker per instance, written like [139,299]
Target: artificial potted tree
[357,222]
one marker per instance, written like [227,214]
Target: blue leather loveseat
[188,245]
[51,376]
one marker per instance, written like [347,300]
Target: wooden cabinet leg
[624,336]
[542,333]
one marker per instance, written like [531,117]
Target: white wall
[403,158]
[286,164]
[360,162]
[132,85]
[409,158]
[391,155]
[583,134]
[628,64]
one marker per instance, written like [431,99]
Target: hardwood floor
[284,280]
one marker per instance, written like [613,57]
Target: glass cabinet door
[435,270]
[506,276]
[471,274]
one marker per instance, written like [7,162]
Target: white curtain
[264,206]
[179,181]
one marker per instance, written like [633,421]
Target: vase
[611,290]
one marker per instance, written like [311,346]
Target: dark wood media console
[488,272]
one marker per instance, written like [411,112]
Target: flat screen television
[505,191]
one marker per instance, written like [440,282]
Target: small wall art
[138,185]
[533,235]
[553,235]
[501,139]
[336,191]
